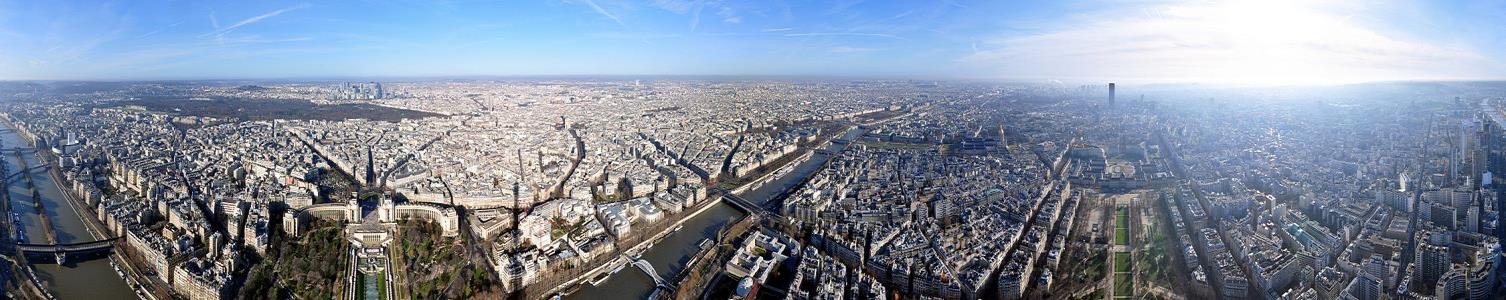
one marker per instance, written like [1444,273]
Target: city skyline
[1246,42]
[747,149]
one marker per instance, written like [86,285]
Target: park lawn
[1121,262]
[1122,286]
[382,286]
[360,282]
[1121,227]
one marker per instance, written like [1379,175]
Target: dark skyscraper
[1111,94]
[1493,142]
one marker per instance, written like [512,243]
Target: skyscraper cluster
[357,91]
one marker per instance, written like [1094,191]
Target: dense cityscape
[751,189]
[753,150]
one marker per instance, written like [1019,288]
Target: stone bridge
[68,252]
[18,150]
[32,169]
[742,203]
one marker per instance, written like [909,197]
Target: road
[1175,154]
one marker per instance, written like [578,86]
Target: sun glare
[1275,42]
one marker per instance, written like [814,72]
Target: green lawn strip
[1122,286]
[382,286]
[1121,262]
[360,284]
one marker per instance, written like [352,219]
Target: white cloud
[602,11]
[159,30]
[729,16]
[695,18]
[694,8]
[1240,41]
[252,20]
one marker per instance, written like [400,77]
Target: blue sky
[1275,41]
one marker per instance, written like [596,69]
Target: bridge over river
[659,282]
[47,228]
[29,170]
[16,150]
[66,252]
[674,252]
